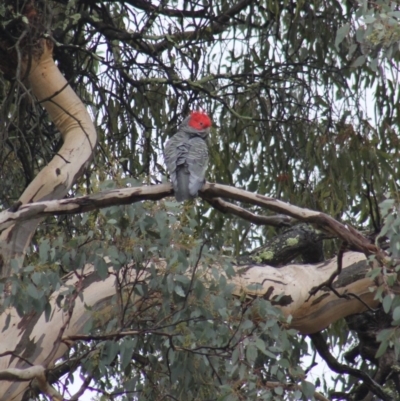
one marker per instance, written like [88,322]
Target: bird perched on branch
[186,155]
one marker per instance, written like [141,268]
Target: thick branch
[299,240]
[294,282]
[343,231]
[79,136]
[287,287]
[85,203]
[209,191]
[35,373]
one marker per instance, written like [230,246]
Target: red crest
[199,120]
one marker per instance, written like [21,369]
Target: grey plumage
[186,156]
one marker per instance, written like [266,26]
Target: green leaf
[235,356]
[358,62]
[102,268]
[382,349]
[387,303]
[110,351]
[44,249]
[396,313]
[126,352]
[7,322]
[340,34]
[308,389]
[369,19]
[247,324]
[179,290]
[251,353]
[32,291]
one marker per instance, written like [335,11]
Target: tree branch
[227,207]
[329,224]
[286,287]
[209,191]
[214,28]
[36,373]
[169,12]
[323,350]
[57,177]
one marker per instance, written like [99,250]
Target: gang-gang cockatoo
[186,155]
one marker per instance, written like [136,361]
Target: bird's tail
[182,184]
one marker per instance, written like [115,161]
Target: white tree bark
[54,180]
[43,342]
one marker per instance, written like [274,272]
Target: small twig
[47,99]
[351,294]
[194,271]
[336,273]
[16,356]
[62,157]
[85,385]
[340,395]
[329,283]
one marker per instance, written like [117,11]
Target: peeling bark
[42,344]
[53,181]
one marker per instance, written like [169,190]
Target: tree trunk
[43,342]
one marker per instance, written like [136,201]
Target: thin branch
[217,26]
[85,385]
[169,12]
[194,272]
[328,283]
[102,337]
[323,350]
[227,207]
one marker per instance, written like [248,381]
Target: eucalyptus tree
[295,233]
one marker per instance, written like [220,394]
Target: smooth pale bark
[210,192]
[312,314]
[122,196]
[79,136]
[41,340]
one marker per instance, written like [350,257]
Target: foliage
[186,336]
[292,113]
